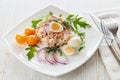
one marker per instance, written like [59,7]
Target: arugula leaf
[35,22]
[81,46]
[70,17]
[32,50]
[50,14]
[84,24]
[81,34]
[77,21]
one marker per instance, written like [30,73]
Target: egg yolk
[69,49]
[55,26]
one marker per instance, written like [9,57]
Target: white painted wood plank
[103,75]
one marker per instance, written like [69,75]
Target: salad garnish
[53,38]
[32,50]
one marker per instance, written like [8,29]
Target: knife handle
[115,53]
[118,45]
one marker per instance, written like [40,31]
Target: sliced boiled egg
[74,42]
[68,50]
[56,27]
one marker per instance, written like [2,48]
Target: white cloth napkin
[109,60]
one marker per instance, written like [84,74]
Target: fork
[113,28]
[109,41]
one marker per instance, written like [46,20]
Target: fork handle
[115,53]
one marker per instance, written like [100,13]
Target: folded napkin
[108,59]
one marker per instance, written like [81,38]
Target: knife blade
[96,21]
[108,40]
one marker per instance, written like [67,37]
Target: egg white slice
[74,42]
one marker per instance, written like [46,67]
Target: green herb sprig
[51,49]
[54,49]
[32,50]
[73,22]
[49,15]
[77,21]
[35,22]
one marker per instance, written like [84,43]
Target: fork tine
[105,32]
[112,21]
[104,28]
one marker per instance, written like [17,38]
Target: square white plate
[93,39]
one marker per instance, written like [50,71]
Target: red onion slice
[61,59]
[53,17]
[40,55]
[49,58]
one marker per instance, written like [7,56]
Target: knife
[100,26]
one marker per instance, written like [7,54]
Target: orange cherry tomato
[29,31]
[20,38]
[32,40]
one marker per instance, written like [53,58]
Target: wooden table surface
[14,11]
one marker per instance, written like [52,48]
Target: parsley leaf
[32,50]
[35,22]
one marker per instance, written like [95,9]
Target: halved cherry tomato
[29,31]
[32,40]
[20,38]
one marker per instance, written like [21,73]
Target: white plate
[93,39]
